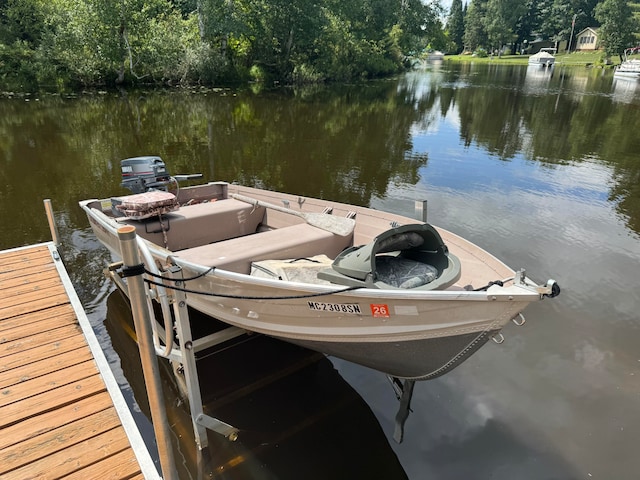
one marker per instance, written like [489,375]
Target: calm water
[542,169]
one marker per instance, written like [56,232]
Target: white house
[587,39]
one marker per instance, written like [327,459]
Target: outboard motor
[147,174]
[141,174]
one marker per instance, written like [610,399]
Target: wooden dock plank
[42,322]
[55,398]
[18,322]
[44,366]
[13,262]
[33,251]
[57,416]
[58,439]
[36,305]
[28,279]
[24,265]
[11,258]
[10,345]
[51,349]
[43,422]
[17,288]
[32,301]
[73,458]
[44,383]
[122,465]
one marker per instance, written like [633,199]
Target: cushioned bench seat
[296,241]
[195,225]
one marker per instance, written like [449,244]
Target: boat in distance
[375,288]
[544,58]
[629,68]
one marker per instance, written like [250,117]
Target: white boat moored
[378,289]
[544,58]
[629,68]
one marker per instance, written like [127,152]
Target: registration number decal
[379,310]
[335,307]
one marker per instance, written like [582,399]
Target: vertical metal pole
[52,222]
[421,210]
[142,321]
[573,24]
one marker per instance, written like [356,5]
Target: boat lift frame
[183,351]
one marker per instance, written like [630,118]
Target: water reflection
[538,79]
[545,180]
[351,141]
[626,90]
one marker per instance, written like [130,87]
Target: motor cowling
[141,174]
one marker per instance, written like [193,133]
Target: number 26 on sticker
[379,310]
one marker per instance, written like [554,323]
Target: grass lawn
[581,59]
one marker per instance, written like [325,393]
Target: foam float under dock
[61,411]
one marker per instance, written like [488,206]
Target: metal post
[573,24]
[52,222]
[404,408]
[142,321]
[421,210]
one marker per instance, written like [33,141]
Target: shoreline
[574,59]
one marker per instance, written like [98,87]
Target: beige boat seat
[198,224]
[296,241]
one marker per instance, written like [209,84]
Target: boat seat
[407,257]
[198,224]
[295,241]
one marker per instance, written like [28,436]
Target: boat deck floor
[58,417]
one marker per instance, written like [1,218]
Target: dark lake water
[540,168]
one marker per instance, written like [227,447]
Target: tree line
[65,43]
[491,25]
[87,43]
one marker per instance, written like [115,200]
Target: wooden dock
[61,411]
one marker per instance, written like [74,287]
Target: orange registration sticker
[379,310]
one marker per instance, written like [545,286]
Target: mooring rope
[237,297]
[500,283]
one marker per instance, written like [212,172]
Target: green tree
[527,23]
[95,42]
[556,17]
[617,25]
[475,34]
[455,26]
[420,23]
[501,20]
[23,24]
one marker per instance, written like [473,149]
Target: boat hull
[413,359]
[544,63]
[629,68]
[398,335]
[627,74]
[543,58]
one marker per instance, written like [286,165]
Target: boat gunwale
[517,292]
